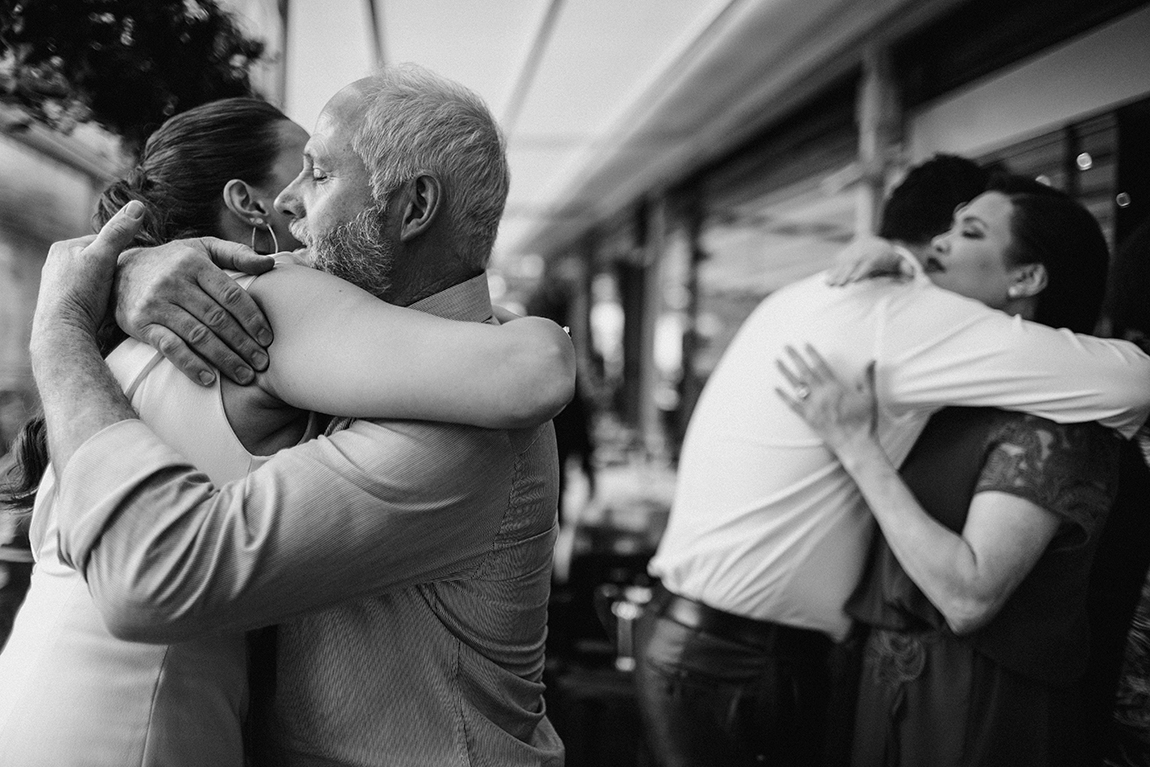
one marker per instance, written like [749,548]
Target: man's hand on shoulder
[79,394]
[176,298]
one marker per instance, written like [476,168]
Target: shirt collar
[468,300]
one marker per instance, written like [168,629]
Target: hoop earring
[260,222]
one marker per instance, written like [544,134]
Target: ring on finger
[802,391]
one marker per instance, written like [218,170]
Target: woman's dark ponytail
[30,461]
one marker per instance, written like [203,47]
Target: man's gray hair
[417,122]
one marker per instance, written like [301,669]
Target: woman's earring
[258,222]
[275,242]
[1014,291]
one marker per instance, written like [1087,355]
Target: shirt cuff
[101,476]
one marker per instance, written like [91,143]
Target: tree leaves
[125,64]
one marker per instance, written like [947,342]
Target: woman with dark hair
[74,693]
[211,171]
[975,591]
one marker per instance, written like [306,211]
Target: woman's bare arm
[340,350]
[968,577]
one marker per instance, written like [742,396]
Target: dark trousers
[708,699]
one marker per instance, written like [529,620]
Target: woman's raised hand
[864,258]
[839,413]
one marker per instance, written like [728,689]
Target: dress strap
[130,391]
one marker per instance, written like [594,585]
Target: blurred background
[673,162]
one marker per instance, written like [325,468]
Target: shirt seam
[148,730]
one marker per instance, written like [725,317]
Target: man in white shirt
[767,533]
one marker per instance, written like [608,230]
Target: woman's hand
[839,413]
[865,258]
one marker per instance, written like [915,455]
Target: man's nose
[287,201]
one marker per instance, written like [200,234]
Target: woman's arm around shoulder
[339,350]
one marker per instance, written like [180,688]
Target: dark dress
[1006,694]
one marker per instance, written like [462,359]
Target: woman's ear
[241,200]
[1027,281]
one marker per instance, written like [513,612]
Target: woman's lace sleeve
[1068,469]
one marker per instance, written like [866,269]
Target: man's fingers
[211,353]
[232,255]
[240,322]
[178,353]
[182,334]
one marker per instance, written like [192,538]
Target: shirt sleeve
[1071,470]
[937,348]
[168,556]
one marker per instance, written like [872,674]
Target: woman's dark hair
[187,161]
[1051,228]
[180,178]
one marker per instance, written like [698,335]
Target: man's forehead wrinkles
[317,148]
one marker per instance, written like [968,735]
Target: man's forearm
[169,557]
[941,349]
[79,393]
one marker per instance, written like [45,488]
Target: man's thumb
[118,232]
[234,255]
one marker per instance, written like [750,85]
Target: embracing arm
[937,348]
[340,350]
[78,393]
[168,556]
[968,576]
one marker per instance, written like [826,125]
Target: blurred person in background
[1118,578]
[75,690]
[975,592]
[768,534]
[573,425]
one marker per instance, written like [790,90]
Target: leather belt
[769,637]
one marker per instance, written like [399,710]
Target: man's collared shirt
[407,563]
[765,522]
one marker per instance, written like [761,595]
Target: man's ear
[423,199]
[241,200]
[1027,280]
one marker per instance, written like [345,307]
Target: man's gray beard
[357,251]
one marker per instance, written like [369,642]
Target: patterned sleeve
[1068,469]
